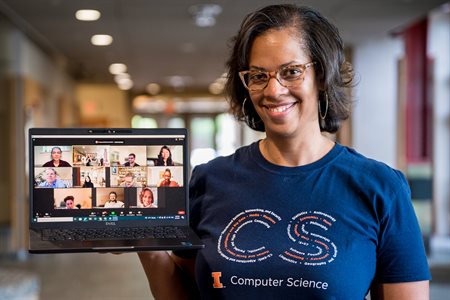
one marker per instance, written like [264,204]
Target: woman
[167,181]
[295,215]
[146,198]
[164,157]
[56,160]
[88,182]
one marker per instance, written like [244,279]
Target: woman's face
[69,204]
[167,176]
[165,154]
[56,154]
[286,112]
[112,197]
[147,198]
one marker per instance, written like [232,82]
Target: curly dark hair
[67,198]
[320,39]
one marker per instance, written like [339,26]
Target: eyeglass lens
[288,76]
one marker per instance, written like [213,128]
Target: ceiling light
[117,68]
[177,81]
[101,40]
[205,14]
[87,15]
[122,77]
[153,88]
[125,84]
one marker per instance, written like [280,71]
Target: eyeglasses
[257,80]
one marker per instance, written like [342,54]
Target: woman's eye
[257,77]
[291,73]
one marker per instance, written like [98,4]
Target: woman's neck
[295,152]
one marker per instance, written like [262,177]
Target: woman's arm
[417,290]
[169,276]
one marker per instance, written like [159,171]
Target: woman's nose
[273,88]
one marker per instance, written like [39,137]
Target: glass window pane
[202,140]
[176,123]
[227,137]
[143,122]
[202,132]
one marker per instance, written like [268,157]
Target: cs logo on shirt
[216,276]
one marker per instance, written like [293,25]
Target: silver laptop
[109,190]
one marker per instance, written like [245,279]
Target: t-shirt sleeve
[401,255]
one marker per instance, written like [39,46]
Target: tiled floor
[87,276]
[113,277]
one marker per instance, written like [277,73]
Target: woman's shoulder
[222,165]
[226,161]
[63,163]
[372,169]
[48,164]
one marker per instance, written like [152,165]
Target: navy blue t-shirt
[326,230]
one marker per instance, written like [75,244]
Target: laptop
[109,190]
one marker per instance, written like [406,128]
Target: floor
[86,276]
[113,277]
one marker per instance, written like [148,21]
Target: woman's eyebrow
[294,62]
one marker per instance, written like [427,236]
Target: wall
[439,52]
[375,112]
[4,121]
[35,89]
[103,106]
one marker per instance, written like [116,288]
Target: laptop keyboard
[113,234]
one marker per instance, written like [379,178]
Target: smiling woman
[274,209]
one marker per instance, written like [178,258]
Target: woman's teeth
[279,109]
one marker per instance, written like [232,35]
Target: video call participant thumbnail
[69,202]
[51,180]
[129,180]
[147,198]
[113,202]
[131,161]
[56,160]
[167,180]
[164,157]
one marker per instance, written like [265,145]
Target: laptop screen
[108,176]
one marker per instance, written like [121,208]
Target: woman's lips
[276,109]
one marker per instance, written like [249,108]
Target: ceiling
[158,40]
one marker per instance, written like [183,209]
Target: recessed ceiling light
[117,68]
[87,15]
[101,40]
[153,88]
[125,84]
[122,77]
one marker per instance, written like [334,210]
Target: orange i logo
[217,284]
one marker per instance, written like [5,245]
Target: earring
[243,110]
[326,107]
[250,122]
